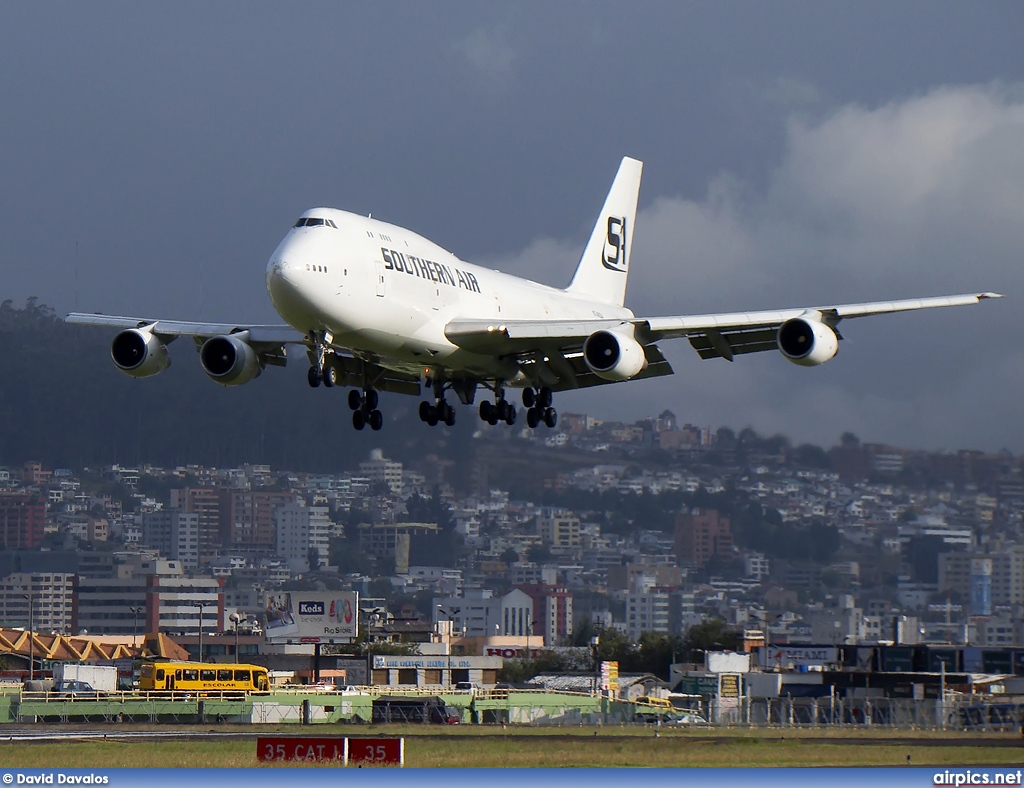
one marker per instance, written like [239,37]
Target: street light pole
[135,628]
[450,615]
[31,640]
[235,618]
[200,605]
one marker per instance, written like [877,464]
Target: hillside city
[647,527]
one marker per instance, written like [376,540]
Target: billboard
[787,656]
[312,616]
[610,677]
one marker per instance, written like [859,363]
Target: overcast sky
[152,156]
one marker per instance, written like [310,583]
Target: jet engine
[229,360]
[807,342]
[138,353]
[614,356]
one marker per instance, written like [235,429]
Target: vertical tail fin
[602,271]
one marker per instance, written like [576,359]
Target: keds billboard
[312,616]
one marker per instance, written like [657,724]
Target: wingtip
[983,296]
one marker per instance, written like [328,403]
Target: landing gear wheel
[550,417]
[431,418]
[330,377]
[376,420]
[425,408]
[449,415]
[501,410]
[355,400]
[370,398]
[486,409]
[544,397]
[532,418]
[510,414]
[313,377]
[358,419]
[528,398]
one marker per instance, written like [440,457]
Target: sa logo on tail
[615,244]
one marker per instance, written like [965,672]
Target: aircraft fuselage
[386,291]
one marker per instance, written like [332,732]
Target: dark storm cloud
[152,156]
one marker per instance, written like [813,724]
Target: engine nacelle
[136,352]
[614,356]
[807,342]
[229,360]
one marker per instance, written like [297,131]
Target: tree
[711,634]
[348,556]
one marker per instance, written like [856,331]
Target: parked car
[351,689]
[685,718]
[79,690]
[464,686]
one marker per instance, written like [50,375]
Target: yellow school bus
[203,677]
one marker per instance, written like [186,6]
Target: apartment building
[22,520]
[41,601]
[175,533]
[302,533]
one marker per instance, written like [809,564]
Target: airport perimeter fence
[975,713]
[532,708]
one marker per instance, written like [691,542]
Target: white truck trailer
[100,677]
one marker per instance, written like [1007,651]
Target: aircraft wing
[726,335]
[258,334]
[722,335]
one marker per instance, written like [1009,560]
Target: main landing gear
[364,409]
[538,405]
[540,410]
[438,413]
[499,410]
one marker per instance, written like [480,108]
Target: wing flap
[717,344]
[521,336]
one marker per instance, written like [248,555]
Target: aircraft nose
[279,276]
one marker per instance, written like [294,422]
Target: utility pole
[200,605]
[31,637]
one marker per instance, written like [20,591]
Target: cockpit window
[312,221]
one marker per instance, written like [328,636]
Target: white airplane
[380,308]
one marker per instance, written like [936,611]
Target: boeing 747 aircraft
[377,308]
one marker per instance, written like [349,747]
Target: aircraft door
[379,274]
